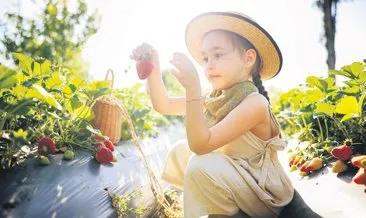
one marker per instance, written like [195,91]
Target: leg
[175,164]
[213,186]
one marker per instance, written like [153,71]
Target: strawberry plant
[328,120]
[44,109]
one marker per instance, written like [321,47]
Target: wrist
[194,92]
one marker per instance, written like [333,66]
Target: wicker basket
[108,115]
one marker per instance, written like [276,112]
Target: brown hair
[243,44]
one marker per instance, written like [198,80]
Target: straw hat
[243,25]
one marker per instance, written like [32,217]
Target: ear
[250,56]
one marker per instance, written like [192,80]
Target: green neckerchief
[220,102]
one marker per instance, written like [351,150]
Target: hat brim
[267,48]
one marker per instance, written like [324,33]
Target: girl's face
[224,65]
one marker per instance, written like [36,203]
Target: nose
[210,64]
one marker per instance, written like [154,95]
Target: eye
[205,59]
[218,55]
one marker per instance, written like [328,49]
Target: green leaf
[8,82]
[347,105]
[36,68]
[330,81]
[349,116]
[53,82]
[41,94]
[83,112]
[325,108]
[341,73]
[20,91]
[46,67]
[352,90]
[25,63]
[75,102]
[362,76]
[356,68]
[23,107]
[5,73]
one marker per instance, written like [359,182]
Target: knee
[198,164]
[179,148]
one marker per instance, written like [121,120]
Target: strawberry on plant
[109,145]
[291,160]
[315,164]
[303,167]
[360,177]
[104,155]
[339,167]
[298,160]
[69,154]
[46,146]
[359,161]
[44,160]
[342,152]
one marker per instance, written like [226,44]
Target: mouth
[213,76]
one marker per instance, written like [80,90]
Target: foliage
[326,115]
[41,99]
[57,33]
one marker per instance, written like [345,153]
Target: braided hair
[243,44]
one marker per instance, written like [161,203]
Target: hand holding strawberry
[146,60]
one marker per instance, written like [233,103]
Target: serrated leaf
[75,102]
[53,82]
[347,105]
[25,63]
[83,112]
[46,67]
[20,91]
[356,68]
[36,68]
[362,76]
[41,94]
[325,108]
[317,82]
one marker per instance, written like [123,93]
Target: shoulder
[254,106]
[255,100]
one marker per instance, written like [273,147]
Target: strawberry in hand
[144,68]
[143,56]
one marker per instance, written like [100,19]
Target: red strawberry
[104,155]
[46,146]
[109,145]
[342,152]
[144,68]
[360,177]
[359,161]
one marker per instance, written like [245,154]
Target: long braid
[258,82]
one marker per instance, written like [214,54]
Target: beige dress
[244,174]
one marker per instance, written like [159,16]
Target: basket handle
[107,74]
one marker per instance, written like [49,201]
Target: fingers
[176,73]
[141,50]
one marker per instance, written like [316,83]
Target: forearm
[157,91]
[197,131]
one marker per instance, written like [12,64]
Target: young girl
[229,161]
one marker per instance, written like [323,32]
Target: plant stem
[321,130]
